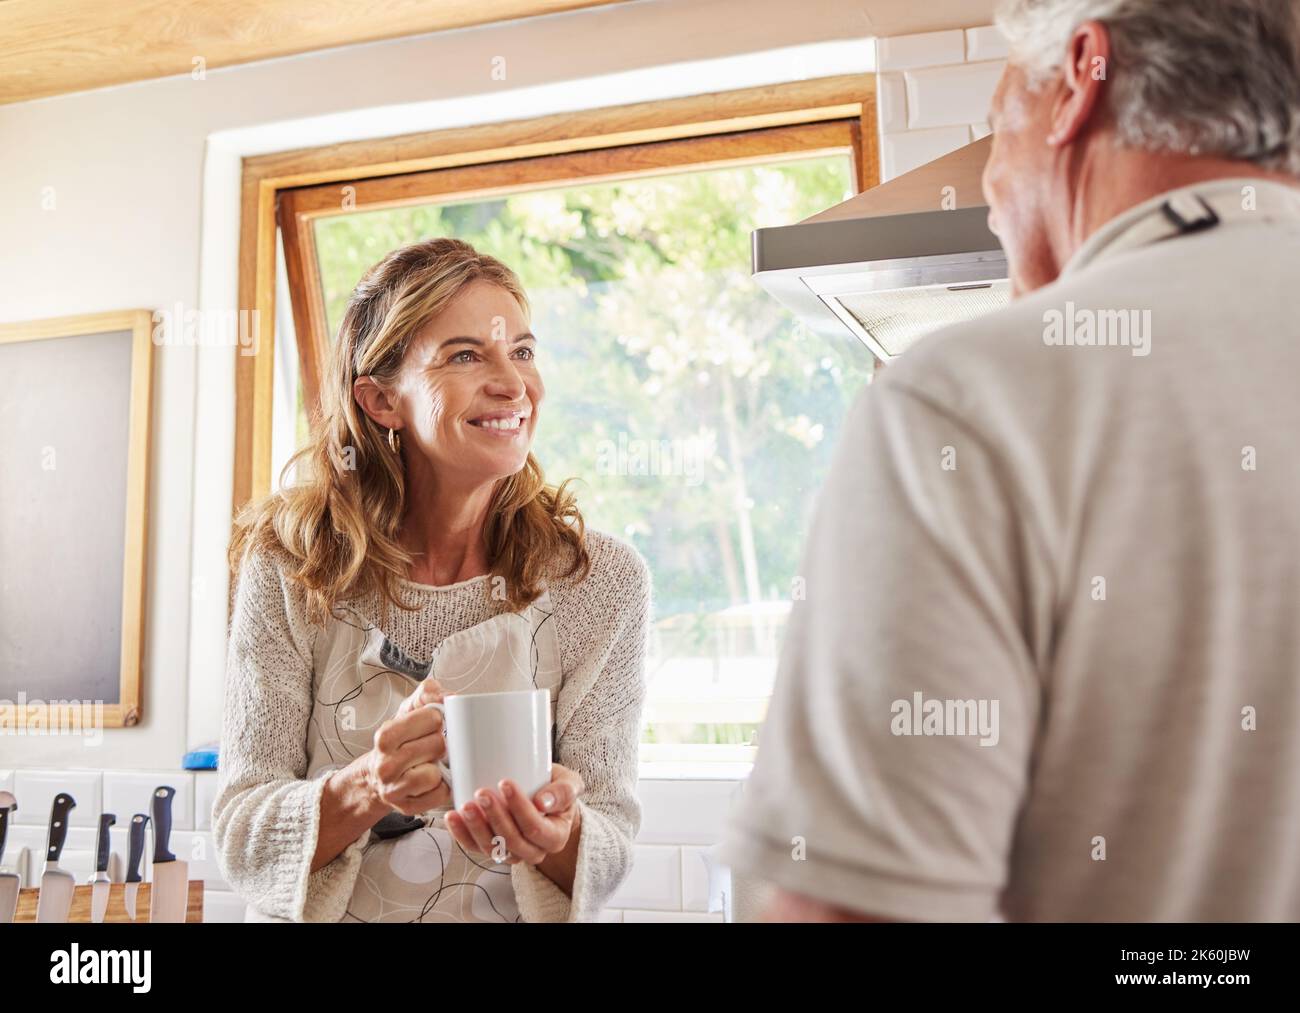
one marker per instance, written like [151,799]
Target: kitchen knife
[99,882]
[135,855]
[171,876]
[9,883]
[57,884]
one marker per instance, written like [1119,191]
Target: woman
[425,530]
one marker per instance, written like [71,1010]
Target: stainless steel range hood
[890,265]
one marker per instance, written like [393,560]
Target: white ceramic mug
[495,736]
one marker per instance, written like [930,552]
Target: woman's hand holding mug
[508,826]
[402,766]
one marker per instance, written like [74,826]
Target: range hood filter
[896,319]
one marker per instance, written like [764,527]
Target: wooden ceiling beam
[51,47]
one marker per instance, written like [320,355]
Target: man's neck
[1111,182]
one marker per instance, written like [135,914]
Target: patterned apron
[412,869]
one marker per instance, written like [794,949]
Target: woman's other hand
[402,766]
[429,691]
[508,826]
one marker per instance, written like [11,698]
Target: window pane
[698,414]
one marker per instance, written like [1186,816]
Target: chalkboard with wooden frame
[75,450]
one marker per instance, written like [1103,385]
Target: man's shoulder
[962,369]
[996,342]
[1089,324]
[1020,366]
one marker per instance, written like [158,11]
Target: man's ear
[1083,77]
[376,403]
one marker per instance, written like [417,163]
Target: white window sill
[660,770]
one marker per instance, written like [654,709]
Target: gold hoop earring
[394,441]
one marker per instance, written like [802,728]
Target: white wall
[933,93]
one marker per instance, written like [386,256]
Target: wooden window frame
[294,188]
[300,208]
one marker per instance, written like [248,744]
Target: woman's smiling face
[469,390]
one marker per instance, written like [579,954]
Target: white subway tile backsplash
[18,861]
[120,846]
[7,781]
[201,853]
[655,880]
[921,50]
[985,43]
[32,841]
[670,916]
[130,792]
[205,793]
[891,101]
[947,82]
[906,150]
[78,855]
[685,812]
[35,791]
[79,862]
[82,838]
[948,96]
[223,906]
[695,878]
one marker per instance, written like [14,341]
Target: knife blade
[9,883]
[57,884]
[99,882]
[135,854]
[171,876]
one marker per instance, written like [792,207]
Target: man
[1048,662]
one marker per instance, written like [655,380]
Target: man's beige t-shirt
[1048,660]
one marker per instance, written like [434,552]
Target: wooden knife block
[116,910]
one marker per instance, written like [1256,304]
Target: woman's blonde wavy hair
[339,523]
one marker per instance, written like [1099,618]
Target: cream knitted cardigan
[266,814]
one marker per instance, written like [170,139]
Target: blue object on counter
[203,758]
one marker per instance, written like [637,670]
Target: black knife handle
[162,823]
[135,852]
[63,804]
[104,844]
[4,828]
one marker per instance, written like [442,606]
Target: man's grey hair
[1206,77]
